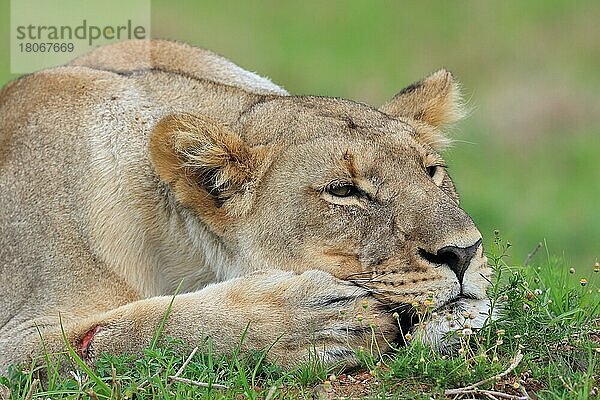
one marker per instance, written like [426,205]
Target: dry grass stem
[186,362]
[196,383]
[474,388]
[32,389]
[271,393]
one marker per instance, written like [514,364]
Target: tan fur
[143,165]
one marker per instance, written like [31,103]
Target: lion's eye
[432,170]
[342,191]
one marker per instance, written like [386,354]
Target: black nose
[456,258]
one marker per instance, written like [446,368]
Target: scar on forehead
[368,184]
[348,161]
[350,122]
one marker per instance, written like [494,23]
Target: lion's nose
[456,258]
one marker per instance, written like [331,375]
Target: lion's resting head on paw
[301,182]
[154,166]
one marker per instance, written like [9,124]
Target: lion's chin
[449,323]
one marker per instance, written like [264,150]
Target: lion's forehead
[295,120]
[383,161]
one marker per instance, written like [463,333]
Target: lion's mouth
[406,324]
[410,319]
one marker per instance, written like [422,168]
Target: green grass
[546,314]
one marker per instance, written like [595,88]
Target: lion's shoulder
[180,58]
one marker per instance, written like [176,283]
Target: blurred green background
[526,161]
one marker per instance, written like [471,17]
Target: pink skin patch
[87,340]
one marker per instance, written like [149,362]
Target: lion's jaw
[443,324]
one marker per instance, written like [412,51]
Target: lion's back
[47,150]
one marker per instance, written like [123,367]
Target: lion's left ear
[209,167]
[435,101]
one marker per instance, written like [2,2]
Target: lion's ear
[434,100]
[209,168]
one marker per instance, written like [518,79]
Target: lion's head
[306,182]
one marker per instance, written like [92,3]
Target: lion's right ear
[209,168]
[432,103]
[435,100]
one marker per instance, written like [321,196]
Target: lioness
[309,221]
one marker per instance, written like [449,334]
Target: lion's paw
[312,315]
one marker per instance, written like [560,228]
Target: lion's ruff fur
[149,163]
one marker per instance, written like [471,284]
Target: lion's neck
[157,245]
